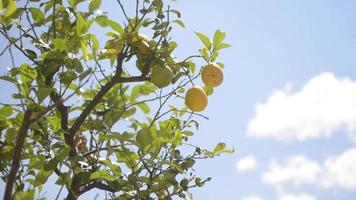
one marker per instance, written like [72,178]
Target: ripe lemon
[143,47]
[212,75]
[112,49]
[161,76]
[196,99]
[142,44]
[143,37]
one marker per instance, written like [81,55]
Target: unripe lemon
[196,99]
[161,76]
[212,75]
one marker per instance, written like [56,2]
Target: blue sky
[277,45]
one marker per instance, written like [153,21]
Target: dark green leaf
[31,54]
[43,92]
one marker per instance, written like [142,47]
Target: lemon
[142,44]
[196,99]
[161,76]
[143,37]
[112,49]
[143,47]
[212,75]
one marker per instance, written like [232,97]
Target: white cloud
[341,170]
[252,197]
[302,196]
[297,170]
[336,171]
[247,163]
[325,104]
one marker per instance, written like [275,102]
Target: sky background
[288,100]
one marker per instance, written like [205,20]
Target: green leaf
[28,195]
[114,168]
[37,15]
[67,77]
[145,108]
[179,22]
[51,165]
[10,136]
[222,46]
[84,48]
[94,5]
[27,74]
[77,65]
[6,111]
[102,175]
[144,138]
[209,90]
[85,74]
[80,24]
[205,53]
[115,26]
[102,20]
[204,39]
[61,44]
[42,177]
[172,164]
[187,133]
[43,92]
[65,179]
[72,3]
[11,8]
[218,38]
[31,54]
[219,148]
[95,42]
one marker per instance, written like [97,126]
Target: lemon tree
[113,112]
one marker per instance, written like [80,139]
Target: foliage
[85,114]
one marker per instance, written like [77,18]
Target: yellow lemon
[143,47]
[142,44]
[161,76]
[212,75]
[196,99]
[143,37]
[112,49]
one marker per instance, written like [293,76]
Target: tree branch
[22,133]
